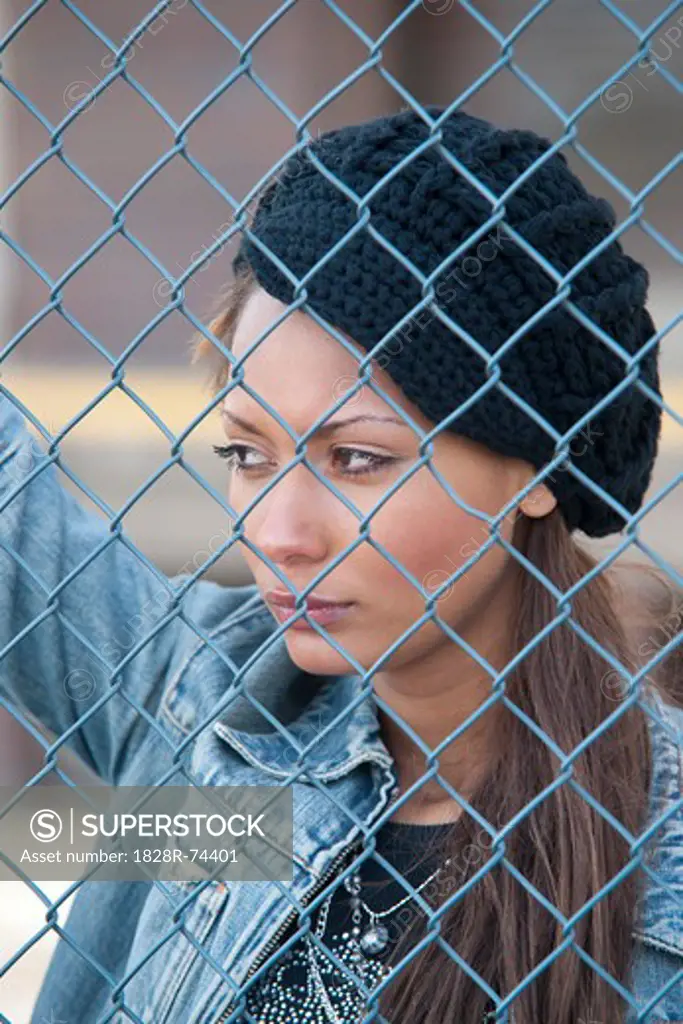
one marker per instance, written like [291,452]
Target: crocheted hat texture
[539,384]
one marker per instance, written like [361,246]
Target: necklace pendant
[375,939]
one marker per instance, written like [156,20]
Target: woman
[442,704]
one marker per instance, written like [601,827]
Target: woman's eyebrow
[322,431]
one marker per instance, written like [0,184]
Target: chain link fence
[35,580]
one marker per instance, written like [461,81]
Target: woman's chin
[313,653]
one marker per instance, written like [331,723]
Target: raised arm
[75,604]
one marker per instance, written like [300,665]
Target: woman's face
[303,527]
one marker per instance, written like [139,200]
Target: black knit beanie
[556,373]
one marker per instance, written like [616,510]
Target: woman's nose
[293,520]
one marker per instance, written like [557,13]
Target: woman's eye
[366,462]
[354,461]
[232,453]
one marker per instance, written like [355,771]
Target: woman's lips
[324,615]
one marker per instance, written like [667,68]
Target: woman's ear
[538,502]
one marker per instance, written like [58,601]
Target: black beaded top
[287,992]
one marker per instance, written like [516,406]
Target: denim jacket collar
[331,721]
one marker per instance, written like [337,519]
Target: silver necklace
[372,939]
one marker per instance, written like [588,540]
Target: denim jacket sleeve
[658,964]
[76,603]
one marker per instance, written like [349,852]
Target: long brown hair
[564,849]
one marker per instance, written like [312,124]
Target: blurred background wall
[437,52]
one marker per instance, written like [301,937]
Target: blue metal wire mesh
[37,461]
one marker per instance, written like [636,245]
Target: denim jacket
[146,679]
